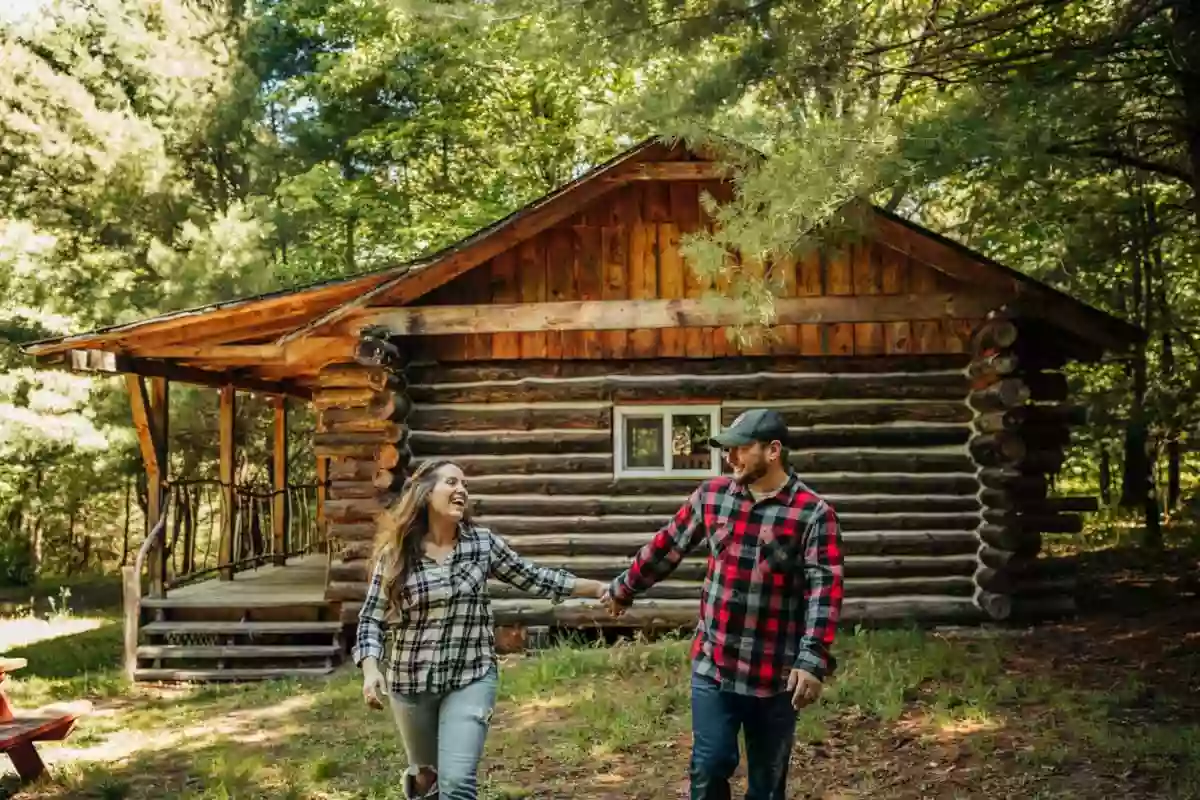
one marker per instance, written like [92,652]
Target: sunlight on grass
[588,721]
[24,631]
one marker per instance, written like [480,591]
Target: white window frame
[663,412]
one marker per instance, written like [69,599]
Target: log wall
[361,429]
[625,245]
[883,438]
[1021,430]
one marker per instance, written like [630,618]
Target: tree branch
[1124,159]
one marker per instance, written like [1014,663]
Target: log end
[997,606]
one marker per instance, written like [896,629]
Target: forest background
[162,154]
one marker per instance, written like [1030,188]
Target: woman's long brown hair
[401,527]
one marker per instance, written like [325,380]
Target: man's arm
[659,557]
[823,570]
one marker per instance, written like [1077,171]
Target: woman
[428,599]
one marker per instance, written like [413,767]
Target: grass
[910,714]
[1104,706]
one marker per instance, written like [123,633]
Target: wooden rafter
[683,313]
[314,350]
[139,402]
[235,320]
[671,171]
[1025,295]
[114,364]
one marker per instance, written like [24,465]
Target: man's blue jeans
[717,717]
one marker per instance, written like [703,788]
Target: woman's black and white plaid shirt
[441,638]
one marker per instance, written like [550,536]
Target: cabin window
[651,441]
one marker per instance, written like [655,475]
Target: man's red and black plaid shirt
[773,592]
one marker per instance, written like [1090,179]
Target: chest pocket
[468,578]
[720,539]
[779,552]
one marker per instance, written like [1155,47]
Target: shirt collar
[787,493]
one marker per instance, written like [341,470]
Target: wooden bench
[19,732]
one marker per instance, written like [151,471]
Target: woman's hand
[586,587]
[374,686]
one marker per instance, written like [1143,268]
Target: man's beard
[751,474]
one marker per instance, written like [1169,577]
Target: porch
[268,621]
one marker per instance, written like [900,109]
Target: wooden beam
[227,422]
[139,403]
[117,364]
[671,171]
[314,350]
[322,496]
[593,315]
[159,425]
[279,515]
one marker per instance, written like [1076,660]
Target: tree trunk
[1185,58]
[1105,476]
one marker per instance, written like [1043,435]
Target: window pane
[643,443]
[689,441]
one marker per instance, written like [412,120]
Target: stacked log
[882,438]
[362,430]
[1021,430]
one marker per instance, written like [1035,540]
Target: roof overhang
[278,342]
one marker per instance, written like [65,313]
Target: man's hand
[804,687]
[374,686]
[609,602]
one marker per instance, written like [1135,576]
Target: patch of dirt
[1141,629]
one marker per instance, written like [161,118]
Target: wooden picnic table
[19,732]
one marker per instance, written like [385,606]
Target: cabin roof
[260,342]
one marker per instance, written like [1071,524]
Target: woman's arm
[368,647]
[514,570]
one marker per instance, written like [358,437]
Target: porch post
[228,416]
[279,515]
[156,488]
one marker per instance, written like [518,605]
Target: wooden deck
[269,622]
[301,582]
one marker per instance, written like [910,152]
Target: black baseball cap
[755,425]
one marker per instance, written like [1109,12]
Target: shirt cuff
[619,591]
[361,654]
[813,664]
[564,589]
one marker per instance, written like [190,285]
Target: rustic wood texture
[625,245]
[1022,426]
[363,436]
[882,437]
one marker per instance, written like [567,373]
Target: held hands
[805,688]
[610,603]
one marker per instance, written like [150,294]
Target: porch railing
[192,539]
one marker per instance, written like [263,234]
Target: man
[769,607]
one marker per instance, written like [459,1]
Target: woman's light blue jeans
[446,732]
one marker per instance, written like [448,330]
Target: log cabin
[570,361]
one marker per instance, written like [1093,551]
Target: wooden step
[241,674]
[217,600]
[237,628]
[238,651]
